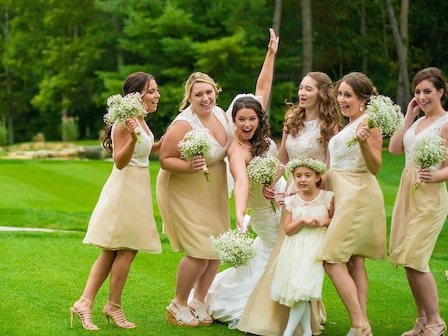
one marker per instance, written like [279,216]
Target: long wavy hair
[260,139]
[135,82]
[328,113]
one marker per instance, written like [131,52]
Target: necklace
[244,145]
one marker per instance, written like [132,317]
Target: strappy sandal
[184,318]
[417,324]
[201,313]
[85,316]
[441,333]
[359,331]
[118,317]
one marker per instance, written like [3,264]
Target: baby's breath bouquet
[263,170]
[196,143]
[429,151]
[120,108]
[234,248]
[383,114]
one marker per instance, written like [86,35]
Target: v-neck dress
[417,220]
[192,209]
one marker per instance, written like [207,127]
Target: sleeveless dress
[299,275]
[358,226]
[123,218]
[191,208]
[417,220]
[231,288]
[262,315]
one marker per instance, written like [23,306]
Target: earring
[360,108]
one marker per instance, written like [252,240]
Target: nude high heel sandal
[361,331]
[200,312]
[419,323]
[183,318]
[85,316]
[435,333]
[118,317]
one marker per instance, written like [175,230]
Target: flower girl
[298,273]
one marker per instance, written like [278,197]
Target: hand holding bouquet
[263,170]
[429,151]
[383,114]
[196,143]
[234,248]
[120,108]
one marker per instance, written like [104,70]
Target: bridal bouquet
[429,151]
[263,170]
[383,114]
[234,248]
[196,143]
[120,108]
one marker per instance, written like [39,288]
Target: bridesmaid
[418,220]
[123,220]
[309,124]
[358,227]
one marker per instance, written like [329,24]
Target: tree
[307,34]
[401,51]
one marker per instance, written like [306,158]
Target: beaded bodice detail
[217,152]
[410,139]
[306,142]
[343,157]
[140,157]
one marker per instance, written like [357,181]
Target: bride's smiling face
[246,122]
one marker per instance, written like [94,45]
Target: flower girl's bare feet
[83,309]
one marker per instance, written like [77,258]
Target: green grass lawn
[42,274]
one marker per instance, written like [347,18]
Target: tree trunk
[307,35]
[403,70]
[8,80]
[276,23]
[403,97]
[365,46]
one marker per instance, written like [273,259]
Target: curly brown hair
[260,139]
[135,82]
[328,113]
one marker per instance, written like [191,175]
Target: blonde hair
[197,77]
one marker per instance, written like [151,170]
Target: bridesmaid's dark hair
[260,139]
[435,76]
[135,82]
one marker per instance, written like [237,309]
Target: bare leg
[346,288]
[425,287]
[204,282]
[98,274]
[119,274]
[358,273]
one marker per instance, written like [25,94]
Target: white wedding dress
[230,290]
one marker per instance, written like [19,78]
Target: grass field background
[42,274]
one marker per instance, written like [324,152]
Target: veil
[230,180]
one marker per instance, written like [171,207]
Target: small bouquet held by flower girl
[120,108]
[196,143]
[383,114]
[263,170]
[429,151]
[234,248]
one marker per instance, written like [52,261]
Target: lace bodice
[217,152]
[343,157]
[306,143]
[410,138]
[317,207]
[140,157]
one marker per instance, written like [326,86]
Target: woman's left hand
[425,175]
[363,133]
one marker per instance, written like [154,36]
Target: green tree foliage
[64,58]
